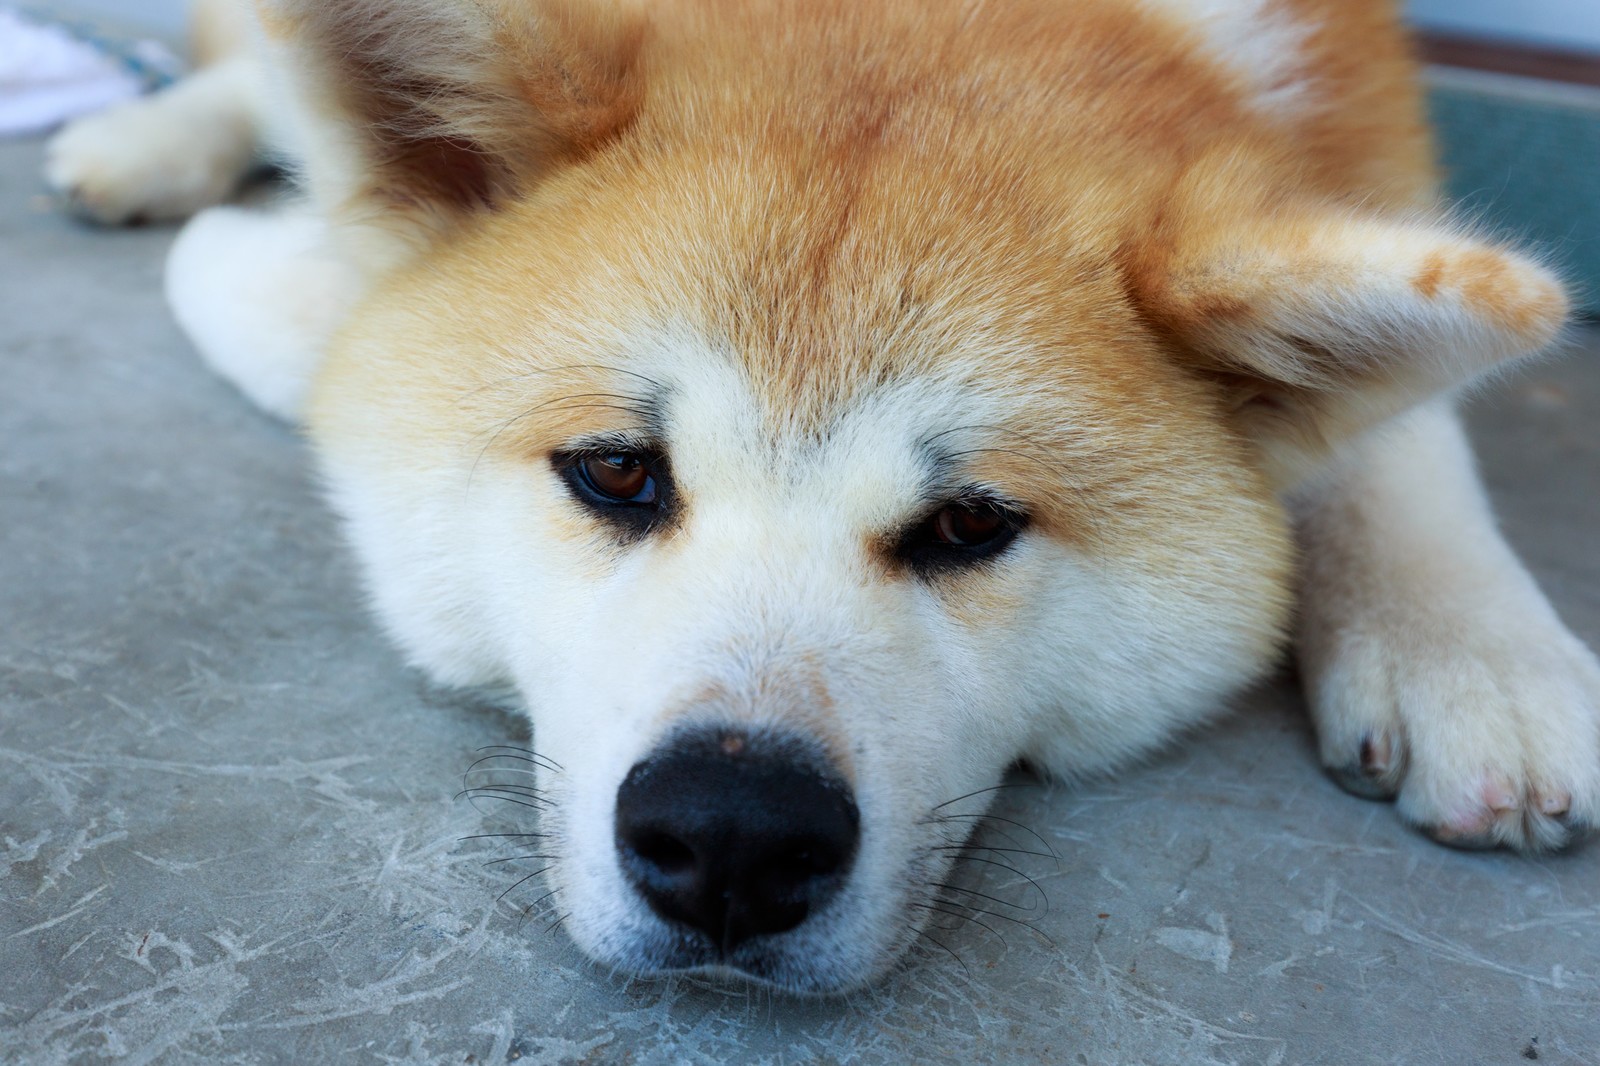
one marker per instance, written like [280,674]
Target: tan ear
[418,112]
[1327,324]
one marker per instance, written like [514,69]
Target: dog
[815,408]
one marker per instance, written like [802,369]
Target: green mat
[1525,157]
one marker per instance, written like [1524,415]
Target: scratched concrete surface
[227,832]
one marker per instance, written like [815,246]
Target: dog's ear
[416,113]
[1324,324]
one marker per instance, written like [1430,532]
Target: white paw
[1484,724]
[260,293]
[148,160]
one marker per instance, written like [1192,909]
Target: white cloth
[48,76]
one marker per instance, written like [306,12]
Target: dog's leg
[259,293]
[1436,670]
[165,156]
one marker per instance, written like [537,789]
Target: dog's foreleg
[164,156]
[1435,669]
[260,293]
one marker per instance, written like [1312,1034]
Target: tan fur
[218,30]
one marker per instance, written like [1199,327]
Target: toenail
[1377,753]
[1359,782]
[1556,803]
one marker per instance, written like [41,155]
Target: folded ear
[1324,325]
[417,112]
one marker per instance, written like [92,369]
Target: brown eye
[628,489]
[961,534]
[967,527]
[621,477]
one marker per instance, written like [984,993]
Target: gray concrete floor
[227,831]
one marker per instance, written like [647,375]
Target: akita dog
[816,407]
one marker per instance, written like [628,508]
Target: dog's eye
[631,490]
[620,477]
[960,534]
[967,527]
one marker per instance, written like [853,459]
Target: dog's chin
[772,971]
[787,964]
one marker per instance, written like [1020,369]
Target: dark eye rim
[631,516]
[922,549]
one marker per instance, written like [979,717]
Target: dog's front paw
[140,162]
[1484,726]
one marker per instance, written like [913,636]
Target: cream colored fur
[260,294]
[1425,639]
[164,157]
[1176,354]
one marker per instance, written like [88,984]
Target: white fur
[1257,41]
[260,293]
[1424,633]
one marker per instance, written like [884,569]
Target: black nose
[735,835]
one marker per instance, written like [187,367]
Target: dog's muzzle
[732,836]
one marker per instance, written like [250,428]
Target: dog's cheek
[1126,650]
[420,571]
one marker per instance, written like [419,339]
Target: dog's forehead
[895,374]
[727,422]
[867,443]
[888,308]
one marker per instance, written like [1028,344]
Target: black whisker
[1003,851]
[968,832]
[525,791]
[1043,843]
[948,887]
[1003,917]
[525,754]
[542,898]
[964,917]
[925,936]
[1011,869]
[988,862]
[473,799]
[514,858]
[500,786]
[529,909]
[520,883]
[499,768]
[979,792]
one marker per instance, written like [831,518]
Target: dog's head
[817,408]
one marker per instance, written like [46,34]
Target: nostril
[665,852]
